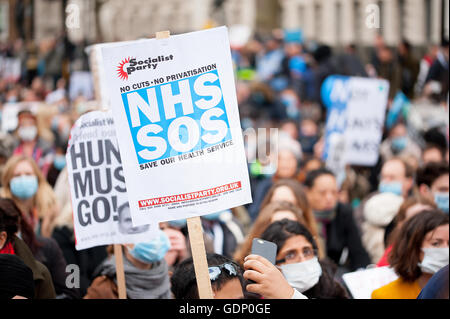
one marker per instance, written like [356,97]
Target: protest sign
[356,111]
[175,110]
[362,283]
[11,110]
[97,186]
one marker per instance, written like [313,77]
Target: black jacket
[87,259]
[342,232]
[51,256]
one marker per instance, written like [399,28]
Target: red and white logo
[121,69]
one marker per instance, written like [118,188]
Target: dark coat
[88,259]
[342,232]
[51,256]
[43,284]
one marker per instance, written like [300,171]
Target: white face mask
[434,260]
[28,133]
[303,276]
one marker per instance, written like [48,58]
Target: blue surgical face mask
[180,223]
[24,187]
[442,201]
[392,187]
[59,162]
[399,144]
[152,251]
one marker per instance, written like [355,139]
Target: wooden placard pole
[120,274]
[118,251]
[196,239]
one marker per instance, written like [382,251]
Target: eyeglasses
[293,255]
[215,271]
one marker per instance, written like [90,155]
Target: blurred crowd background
[282,53]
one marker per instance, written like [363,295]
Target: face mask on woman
[442,201]
[27,133]
[24,187]
[59,162]
[303,276]
[434,259]
[152,251]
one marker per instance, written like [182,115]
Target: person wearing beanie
[379,211]
[16,278]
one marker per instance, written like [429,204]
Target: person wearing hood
[298,273]
[420,251]
[379,211]
[146,272]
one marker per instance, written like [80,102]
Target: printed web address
[189,196]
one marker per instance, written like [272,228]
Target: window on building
[318,21]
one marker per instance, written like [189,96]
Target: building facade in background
[333,22]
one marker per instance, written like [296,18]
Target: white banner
[101,212]
[362,283]
[175,108]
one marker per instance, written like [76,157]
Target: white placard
[97,186]
[362,283]
[175,108]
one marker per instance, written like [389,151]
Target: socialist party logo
[131,65]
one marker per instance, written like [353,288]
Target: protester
[298,273]
[433,182]
[16,278]
[420,250]
[146,272]
[289,156]
[409,208]
[226,278]
[437,286]
[87,260]
[379,212]
[24,183]
[336,223]
[269,214]
[30,143]
[225,232]
[399,144]
[11,244]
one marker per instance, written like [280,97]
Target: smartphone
[265,249]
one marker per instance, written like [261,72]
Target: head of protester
[298,273]
[336,224]
[145,269]
[226,277]
[420,250]
[16,278]
[271,213]
[29,142]
[24,183]
[408,209]
[396,177]
[432,181]
[12,244]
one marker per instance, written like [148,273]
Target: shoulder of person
[102,287]
[45,288]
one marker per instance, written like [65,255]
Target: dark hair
[428,174]
[9,218]
[315,174]
[11,221]
[183,281]
[435,136]
[405,254]
[327,288]
[280,231]
[434,146]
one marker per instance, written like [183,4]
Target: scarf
[323,219]
[141,283]
[8,249]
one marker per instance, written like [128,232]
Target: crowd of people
[393,214]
